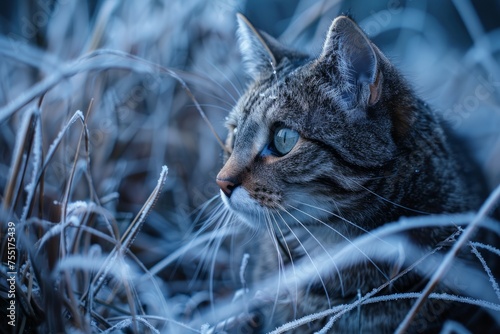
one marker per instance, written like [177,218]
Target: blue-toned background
[112,59]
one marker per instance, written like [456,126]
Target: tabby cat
[327,149]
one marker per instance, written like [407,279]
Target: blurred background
[145,73]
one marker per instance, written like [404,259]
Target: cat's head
[309,133]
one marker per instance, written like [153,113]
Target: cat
[323,150]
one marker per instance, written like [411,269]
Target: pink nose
[227,186]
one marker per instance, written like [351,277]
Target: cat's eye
[284,140]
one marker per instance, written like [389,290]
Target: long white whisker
[214,106]
[213,217]
[281,265]
[290,257]
[308,255]
[343,219]
[212,266]
[217,212]
[221,218]
[179,254]
[389,201]
[322,247]
[230,82]
[345,238]
[217,83]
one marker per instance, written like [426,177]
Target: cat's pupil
[285,140]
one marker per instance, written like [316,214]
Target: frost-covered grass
[96,98]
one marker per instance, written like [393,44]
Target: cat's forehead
[266,98]
[294,97]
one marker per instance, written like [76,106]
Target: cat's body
[324,150]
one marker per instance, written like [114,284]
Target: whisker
[219,98]
[343,219]
[287,251]
[202,76]
[345,238]
[322,247]
[308,255]
[230,82]
[281,265]
[214,106]
[212,273]
[216,212]
[391,202]
[202,210]
[221,217]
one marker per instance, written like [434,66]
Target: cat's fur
[370,152]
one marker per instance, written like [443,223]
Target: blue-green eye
[284,140]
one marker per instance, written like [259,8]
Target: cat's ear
[256,48]
[350,50]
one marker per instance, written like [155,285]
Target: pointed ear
[351,52]
[256,48]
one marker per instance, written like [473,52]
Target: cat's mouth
[243,205]
[255,213]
